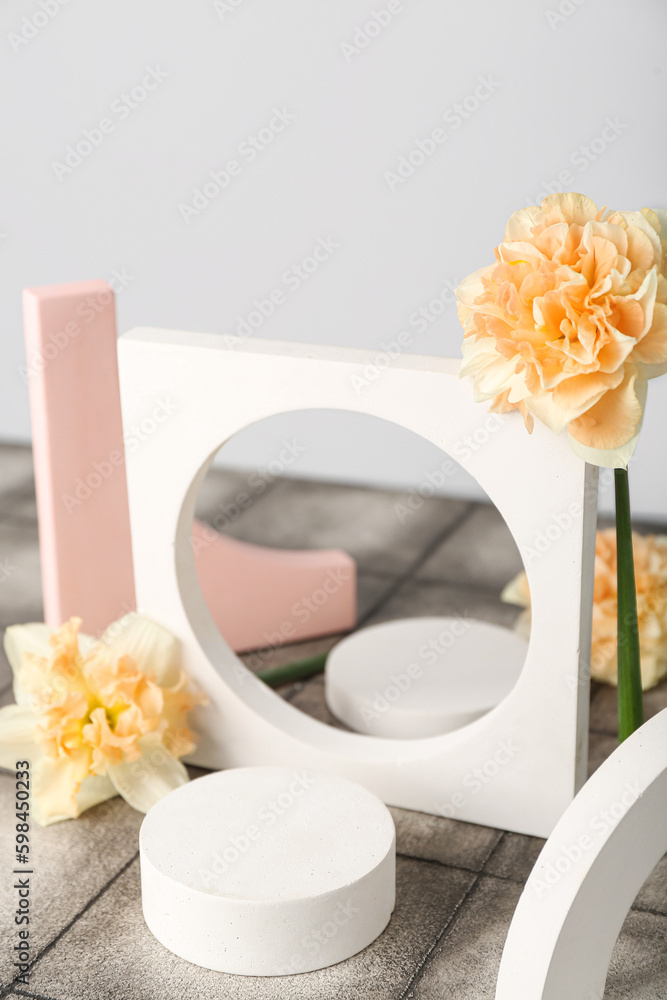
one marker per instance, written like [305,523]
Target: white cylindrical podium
[267,871]
[421,677]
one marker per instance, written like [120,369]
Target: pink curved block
[300,594]
[258,597]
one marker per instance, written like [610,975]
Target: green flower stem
[630,702]
[295,671]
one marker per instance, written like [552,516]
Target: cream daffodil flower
[570,322]
[650,560]
[97,718]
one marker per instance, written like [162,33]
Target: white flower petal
[556,418]
[516,591]
[652,371]
[605,458]
[472,286]
[495,377]
[520,223]
[518,388]
[56,784]
[144,782]
[17,727]
[509,253]
[645,295]
[94,789]
[656,217]
[151,646]
[477,354]
[661,213]
[523,624]
[641,222]
[607,231]
[481,359]
[34,639]
[21,639]
[87,643]
[573,207]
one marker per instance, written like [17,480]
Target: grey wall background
[316,102]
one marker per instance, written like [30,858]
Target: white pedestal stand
[267,871]
[590,870]
[422,676]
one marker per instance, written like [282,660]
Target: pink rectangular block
[82,500]
[79,453]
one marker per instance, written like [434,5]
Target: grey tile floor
[458,884]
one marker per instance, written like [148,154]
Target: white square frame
[531,749]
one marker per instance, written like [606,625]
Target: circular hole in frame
[428,545]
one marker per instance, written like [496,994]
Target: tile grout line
[84,909]
[418,974]
[267,492]
[637,907]
[8,520]
[476,588]
[501,840]
[395,584]
[649,910]
[409,572]
[469,871]
[22,491]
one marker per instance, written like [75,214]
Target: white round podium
[267,871]
[421,676]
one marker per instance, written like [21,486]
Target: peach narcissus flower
[650,559]
[96,718]
[570,322]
